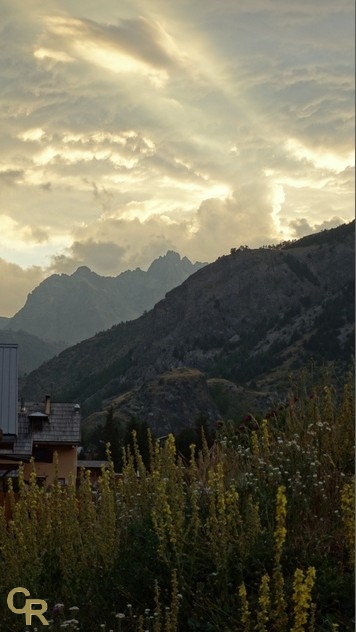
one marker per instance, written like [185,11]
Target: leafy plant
[252,532]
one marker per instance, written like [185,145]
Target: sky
[135,127]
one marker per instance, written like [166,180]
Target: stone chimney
[48,405]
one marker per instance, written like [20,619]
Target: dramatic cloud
[16,284]
[301,227]
[133,128]
[104,257]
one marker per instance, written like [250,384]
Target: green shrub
[255,532]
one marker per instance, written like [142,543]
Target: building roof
[63,425]
[91,465]
[60,427]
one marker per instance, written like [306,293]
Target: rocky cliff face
[251,316]
[169,402]
[179,399]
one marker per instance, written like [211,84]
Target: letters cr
[27,609]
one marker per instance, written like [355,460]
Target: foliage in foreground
[253,534]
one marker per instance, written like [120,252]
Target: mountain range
[248,319]
[65,309]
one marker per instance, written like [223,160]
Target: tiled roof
[60,427]
[63,425]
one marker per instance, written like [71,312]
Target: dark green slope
[253,314]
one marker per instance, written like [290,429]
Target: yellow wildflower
[255,447]
[265,438]
[302,588]
[281,514]
[245,611]
[264,603]
[348,517]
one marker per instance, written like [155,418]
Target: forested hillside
[251,316]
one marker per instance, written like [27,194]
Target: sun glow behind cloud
[119,63]
[111,49]
[38,240]
[321,158]
[100,146]
[55,55]
[192,126]
[33,135]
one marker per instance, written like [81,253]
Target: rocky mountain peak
[171,257]
[251,316]
[83,272]
[66,308]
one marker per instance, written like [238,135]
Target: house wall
[5,502]
[67,465]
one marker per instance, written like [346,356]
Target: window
[42,454]
[36,421]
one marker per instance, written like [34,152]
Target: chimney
[48,405]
